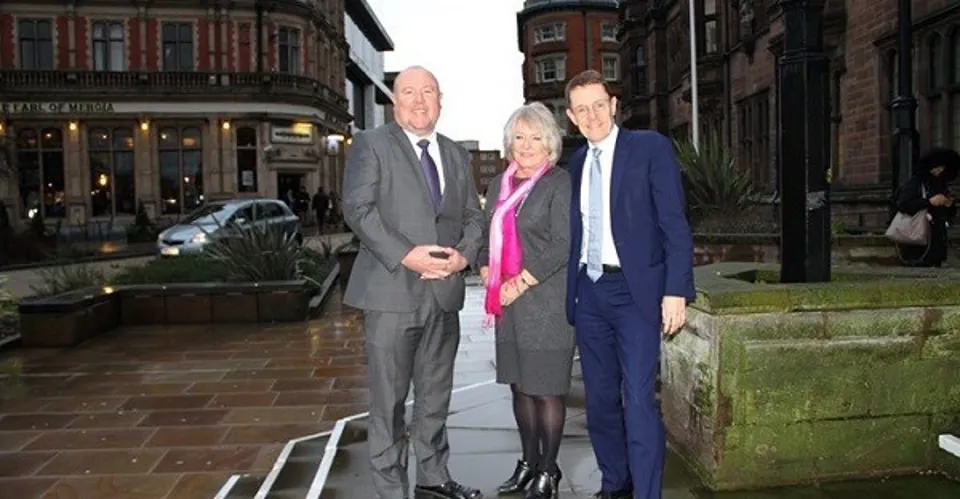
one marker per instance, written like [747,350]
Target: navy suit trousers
[619,343]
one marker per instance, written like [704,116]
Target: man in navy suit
[630,277]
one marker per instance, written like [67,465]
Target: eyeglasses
[598,107]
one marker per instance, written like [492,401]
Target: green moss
[728,288]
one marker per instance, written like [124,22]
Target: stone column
[147,177]
[76,175]
[804,145]
[211,158]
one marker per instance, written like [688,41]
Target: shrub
[713,183]
[66,277]
[251,253]
[8,304]
[179,270]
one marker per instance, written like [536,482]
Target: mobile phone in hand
[440,254]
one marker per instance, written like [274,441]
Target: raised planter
[71,318]
[775,384]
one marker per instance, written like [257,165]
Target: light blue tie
[595,217]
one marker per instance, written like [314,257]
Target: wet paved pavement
[172,412]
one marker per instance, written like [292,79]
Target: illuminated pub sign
[56,107]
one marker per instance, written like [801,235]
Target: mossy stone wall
[776,384]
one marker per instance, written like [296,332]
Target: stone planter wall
[775,384]
[68,319]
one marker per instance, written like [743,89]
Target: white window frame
[559,69]
[611,36]
[557,31]
[607,57]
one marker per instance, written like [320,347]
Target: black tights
[540,419]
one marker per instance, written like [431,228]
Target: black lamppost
[906,140]
[804,145]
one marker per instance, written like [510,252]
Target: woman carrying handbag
[925,208]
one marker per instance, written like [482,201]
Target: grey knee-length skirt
[535,372]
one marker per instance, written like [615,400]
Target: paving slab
[173,412]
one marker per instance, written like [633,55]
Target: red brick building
[560,38]
[107,103]
[739,45]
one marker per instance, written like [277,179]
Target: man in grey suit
[408,194]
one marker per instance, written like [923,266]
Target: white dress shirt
[433,149]
[608,253]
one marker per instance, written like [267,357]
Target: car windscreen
[208,214]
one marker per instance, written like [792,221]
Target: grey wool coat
[536,321]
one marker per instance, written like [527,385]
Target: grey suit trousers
[404,347]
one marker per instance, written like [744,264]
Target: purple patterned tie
[430,173]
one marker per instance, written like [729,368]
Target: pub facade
[108,105]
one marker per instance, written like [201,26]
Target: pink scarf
[506,259]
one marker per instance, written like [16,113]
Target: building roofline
[369,24]
[546,6]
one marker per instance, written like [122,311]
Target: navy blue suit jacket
[648,220]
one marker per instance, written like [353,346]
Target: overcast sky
[472,48]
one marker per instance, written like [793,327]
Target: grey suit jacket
[387,205]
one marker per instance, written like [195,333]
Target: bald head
[414,71]
[416,100]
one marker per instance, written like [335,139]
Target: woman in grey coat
[527,248]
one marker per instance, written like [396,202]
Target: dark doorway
[291,189]
[288,184]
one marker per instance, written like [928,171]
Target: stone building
[739,46]
[106,104]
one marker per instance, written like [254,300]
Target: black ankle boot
[518,482]
[545,486]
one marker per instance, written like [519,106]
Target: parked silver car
[209,222]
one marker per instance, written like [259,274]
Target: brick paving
[172,412]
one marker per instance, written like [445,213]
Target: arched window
[953,70]
[246,159]
[112,178]
[181,169]
[40,163]
[641,67]
[936,83]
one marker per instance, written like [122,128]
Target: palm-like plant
[714,185]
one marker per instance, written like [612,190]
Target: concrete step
[297,473]
[241,487]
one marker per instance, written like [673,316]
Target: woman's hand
[484,273]
[940,200]
[511,290]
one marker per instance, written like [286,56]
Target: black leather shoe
[545,486]
[449,490]
[619,494]
[522,476]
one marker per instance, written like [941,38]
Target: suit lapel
[576,172]
[447,159]
[620,164]
[413,161]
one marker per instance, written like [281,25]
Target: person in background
[526,247]
[929,189]
[320,204]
